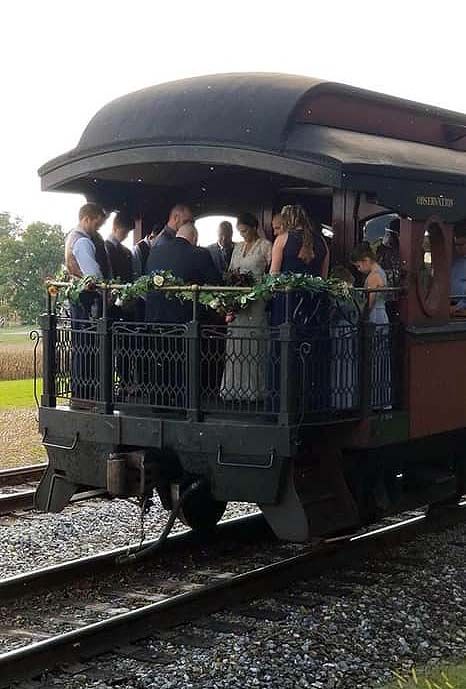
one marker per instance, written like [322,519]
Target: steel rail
[21,500]
[18,475]
[248,527]
[24,500]
[100,637]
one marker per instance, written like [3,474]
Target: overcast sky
[62,61]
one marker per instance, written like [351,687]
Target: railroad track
[18,485]
[21,475]
[191,590]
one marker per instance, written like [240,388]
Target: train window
[433,263]
[374,228]
[208,225]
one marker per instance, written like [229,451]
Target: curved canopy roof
[326,133]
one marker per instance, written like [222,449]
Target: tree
[9,227]
[27,257]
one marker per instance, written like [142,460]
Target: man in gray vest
[85,255]
[84,248]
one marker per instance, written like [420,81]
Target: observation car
[320,452]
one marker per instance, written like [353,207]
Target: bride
[244,376]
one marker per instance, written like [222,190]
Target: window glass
[208,225]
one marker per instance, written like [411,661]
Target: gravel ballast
[30,540]
[405,608]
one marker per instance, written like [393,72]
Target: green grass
[17,393]
[451,677]
[17,335]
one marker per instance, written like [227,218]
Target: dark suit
[121,261]
[165,236]
[195,267]
[221,257]
[191,264]
[212,276]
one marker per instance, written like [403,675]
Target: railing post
[288,381]
[105,358]
[49,343]
[366,347]
[193,335]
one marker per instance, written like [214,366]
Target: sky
[62,61]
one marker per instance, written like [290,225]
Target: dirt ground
[19,439]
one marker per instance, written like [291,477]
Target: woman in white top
[244,376]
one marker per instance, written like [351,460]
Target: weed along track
[115,606]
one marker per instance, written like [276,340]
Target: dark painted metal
[194,356]
[288,379]
[49,338]
[104,335]
[365,340]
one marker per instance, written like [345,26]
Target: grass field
[452,677]
[17,335]
[17,393]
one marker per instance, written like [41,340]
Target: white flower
[158,280]
[118,301]
[214,303]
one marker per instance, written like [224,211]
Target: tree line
[28,254]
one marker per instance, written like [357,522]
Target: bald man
[178,216]
[185,261]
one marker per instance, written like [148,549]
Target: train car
[323,452]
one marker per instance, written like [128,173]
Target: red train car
[224,144]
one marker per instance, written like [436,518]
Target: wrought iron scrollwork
[36,337]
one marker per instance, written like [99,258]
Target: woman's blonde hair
[295,219]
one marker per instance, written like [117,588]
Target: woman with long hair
[301,247]
[365,261]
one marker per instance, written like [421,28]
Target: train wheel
[200,511]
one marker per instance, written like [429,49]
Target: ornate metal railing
[335,365]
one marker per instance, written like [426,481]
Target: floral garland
[224,302]
[119,294]
[269,285]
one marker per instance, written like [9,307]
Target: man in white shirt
[84,248]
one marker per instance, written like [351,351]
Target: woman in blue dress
[365,261]
[302,250]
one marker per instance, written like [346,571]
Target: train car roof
[327,133]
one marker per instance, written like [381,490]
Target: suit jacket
[221,257]
[192,265]
[212,276]
[165,236]
[121,261]
[140,255]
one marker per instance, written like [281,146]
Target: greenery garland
[225,302]
[268,285]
